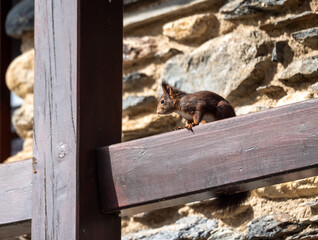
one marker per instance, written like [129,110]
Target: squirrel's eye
[162,101]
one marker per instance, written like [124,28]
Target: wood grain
[232,155]
[5,109]
[15,198]
[78,69]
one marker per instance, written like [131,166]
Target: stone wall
[258,54]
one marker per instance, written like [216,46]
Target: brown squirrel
[196,107]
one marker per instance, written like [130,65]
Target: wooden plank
[78,69]
[232,155]
[5,109]
[15,198]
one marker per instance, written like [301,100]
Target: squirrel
[196,107]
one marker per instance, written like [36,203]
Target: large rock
[275,226]
[224,233]
[307,187]
[20,19]
[139,51]
[192,227]
[20,74]
[300,70]
[308,37]
[133,105]
[239,9]
[231,65]
[26,153]
[193,29]
[299,20]
[136,81]
[22,118]
[311,233]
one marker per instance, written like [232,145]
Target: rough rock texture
[20,19]
[273,226]
[138,51]
[135,105]
[239,9]
[191,227]
[230,65]
[303,20]
[193,29]
[136,81]
[226,234]
[301,70]
[307,234]
[307,187]
[23,118]
[307,37]
[20,74]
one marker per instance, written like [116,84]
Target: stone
[230,65]
[148,125]
[20,74]
[26,153]
[309,233]
[239,9]
[250,109]
[306,18]
[27,42]
[270,89]
[224,233]
[136,81]
[191,227]
[194,29]
[278,51]
[133,105]
[139,51]
[300,70]
[314,87]
[20,19]
[22,118]
[274,226]
[307,187]
[308,37]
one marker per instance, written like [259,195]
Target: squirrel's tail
[230,202]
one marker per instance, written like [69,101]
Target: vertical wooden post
[78,69]
[5,110]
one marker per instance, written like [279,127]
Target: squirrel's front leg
[190,122]
[197,118]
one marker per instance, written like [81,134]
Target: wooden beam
[78,70]
[232,155]
[5,109]
[15,198]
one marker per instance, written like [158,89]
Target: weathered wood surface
[232,155]
[78,70]
[5,110]
[15,198]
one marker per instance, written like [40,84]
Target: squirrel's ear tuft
[166,88]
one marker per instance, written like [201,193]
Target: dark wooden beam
[5,109]
[15,198]
[232,155]
[78,91]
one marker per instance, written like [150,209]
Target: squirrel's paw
[178,128]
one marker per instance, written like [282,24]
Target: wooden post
[5,110]
[78,90]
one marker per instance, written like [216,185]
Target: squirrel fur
[196,107]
